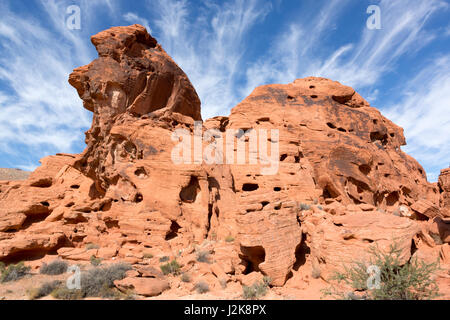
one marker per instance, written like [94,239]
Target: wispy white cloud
[291,53]
[38,108]
[134,18]
[424,113]
[210,47]
[357,64]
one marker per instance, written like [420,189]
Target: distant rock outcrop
[342,182]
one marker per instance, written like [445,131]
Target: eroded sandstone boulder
[125,193]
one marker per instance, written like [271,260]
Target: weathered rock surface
[444,188]
[147,287]
[341,182]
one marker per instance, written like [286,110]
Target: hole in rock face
[253,256]
[277,189]
[43,183]
[35,218]
[413,247]
[138,198]
[283,157]
[377,136]
[264,203]
[290,97]
[328,193]
[141,173]
[342,130]
[365,169]
[312,87]
[332,126]
[45,204]
[75,186]
[249,187]
[189,193]
[173,232]
[302,251]
[392,199]
[313,96]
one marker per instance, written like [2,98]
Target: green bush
[14,272]
[44,290]
[96,282]
[201,287]
[63,293]
[171,268]
[257,290]
[304,206]
[164,259]
[99,282]
[412,280]
[229,239]
[90,246]
[54,268]
[185,277]
[95,261]
[147,255]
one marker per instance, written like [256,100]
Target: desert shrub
[90,246]
[14,272]
[147,255]
[201,287]
[256,290]
[229,239]
[63,293]
[170,268]
[185,277]
[95,261]
[44,290]
[99,282]
[413,280]
[304,206]
[164,259]
[203,256]
[54,268]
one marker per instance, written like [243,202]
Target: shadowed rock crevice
[189,193]
[252,257]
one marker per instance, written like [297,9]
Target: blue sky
[227,48]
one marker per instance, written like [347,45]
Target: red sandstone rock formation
[444,188]
[337,154]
